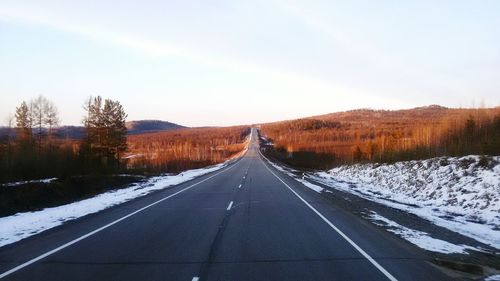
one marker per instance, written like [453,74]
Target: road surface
[247,221]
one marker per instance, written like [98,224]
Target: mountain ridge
[134,127]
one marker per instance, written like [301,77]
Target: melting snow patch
[314,187]
[419,238]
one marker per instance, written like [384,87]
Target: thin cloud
[153,47]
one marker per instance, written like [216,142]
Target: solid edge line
[42,256]
[230,205]
[361,251]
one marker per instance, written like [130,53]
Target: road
[247,221]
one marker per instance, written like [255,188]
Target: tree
[105,128]
[51,118]
[38,106]
[23,122]
[93,125]
[118,130]
[358,154]
[8,144]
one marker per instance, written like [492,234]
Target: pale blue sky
[201,63]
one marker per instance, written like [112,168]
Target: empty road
[247,221]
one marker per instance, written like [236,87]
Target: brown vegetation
[31,148]
[183,149]
[384,136]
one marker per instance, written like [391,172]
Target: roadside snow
[314,187]
[434,198]
[290,172]
[455,193]
[17,183]
[419,238]
[493,278]
[23,225]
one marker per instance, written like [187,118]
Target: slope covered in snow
[461,194]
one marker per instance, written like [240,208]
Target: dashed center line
[230,205]
[195,278]
[239,186]
[68,244]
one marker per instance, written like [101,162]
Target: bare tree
[38,110]
[51,119]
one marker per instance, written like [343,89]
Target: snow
[419,238]
[455,193]
[23,225]
[290,172]
[266,140]
[462,198]
[493,278]
[314,187]
[18,183]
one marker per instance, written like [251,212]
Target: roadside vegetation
[104,158]
[32,149]
[382,136]
[184,149]
[33,196]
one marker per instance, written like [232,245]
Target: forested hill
[133,128]
[367,135]
[150,126]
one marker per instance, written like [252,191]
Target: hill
[177,150]
[150,126]
[133,127]
[367,135]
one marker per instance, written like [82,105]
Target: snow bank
[456,193]
[419,238]
[23,225]
[18,183]
[493,278]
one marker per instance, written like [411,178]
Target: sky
[218,63]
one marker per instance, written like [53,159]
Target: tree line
[31,148]
[34,148]
[183,149]
[384,136]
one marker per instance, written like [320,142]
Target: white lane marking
[195,278]
[21,266]
[239,186]
[230,205]
[361,251]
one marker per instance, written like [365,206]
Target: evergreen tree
[23,122]
[106,131]
[117,130]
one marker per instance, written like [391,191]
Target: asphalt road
[246,222]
